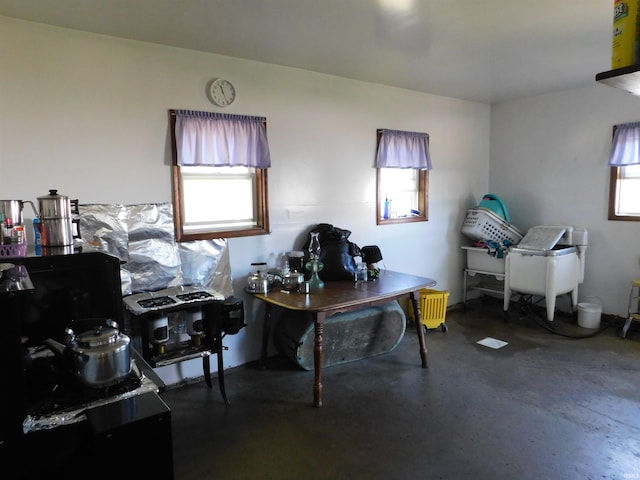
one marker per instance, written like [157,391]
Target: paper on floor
[492,343]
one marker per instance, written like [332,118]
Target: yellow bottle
[626,34]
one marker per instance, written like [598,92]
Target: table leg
[317,358]
[266,331]
[464,288]
[221,373]
[207,370]
[419,330]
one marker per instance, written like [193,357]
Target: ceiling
[482,50]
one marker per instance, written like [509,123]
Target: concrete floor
[545,406]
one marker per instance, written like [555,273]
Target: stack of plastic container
[490,221]
[489,225]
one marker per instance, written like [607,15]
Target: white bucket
[589,314]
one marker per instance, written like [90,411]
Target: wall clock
[221,92]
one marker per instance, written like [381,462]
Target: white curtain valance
[399,149]
[218,139]
[626,145]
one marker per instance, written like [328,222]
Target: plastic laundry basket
[482,224]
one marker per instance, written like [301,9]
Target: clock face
[221,92]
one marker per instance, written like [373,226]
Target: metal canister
[56,223]
[12,209]
[55,205]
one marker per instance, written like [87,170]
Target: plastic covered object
[493,202]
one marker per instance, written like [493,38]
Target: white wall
[87,114]
[549,158]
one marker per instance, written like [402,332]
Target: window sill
[412,219]
[212,234]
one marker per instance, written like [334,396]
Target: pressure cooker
[99,357]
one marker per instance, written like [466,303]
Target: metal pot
[56,225]
[292,280]
[55,205]
[13,209]
[100,356]
[58,232]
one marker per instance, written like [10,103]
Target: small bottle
[37,237]
[387,203]
[1,228]
[8,231]
[360,275]
[19,236]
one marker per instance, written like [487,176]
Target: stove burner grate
[187,297]
[170,298]
[156,302]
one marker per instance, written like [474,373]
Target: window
[624,186]
[402,162]
[220,166]
[402,195]
[231,187]
[624,194]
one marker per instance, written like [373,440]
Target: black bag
[336,252]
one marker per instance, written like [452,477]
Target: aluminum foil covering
[104,227]
[154,261]
[33,423]
[142,237]
[206,262]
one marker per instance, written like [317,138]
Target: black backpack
[336,252]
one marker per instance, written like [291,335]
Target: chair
[633,310]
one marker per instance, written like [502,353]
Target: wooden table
[345,296]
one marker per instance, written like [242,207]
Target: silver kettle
[258,282]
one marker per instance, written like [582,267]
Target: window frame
[614,178]
[261,202]
[615,175]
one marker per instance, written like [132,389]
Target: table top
[345,294]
